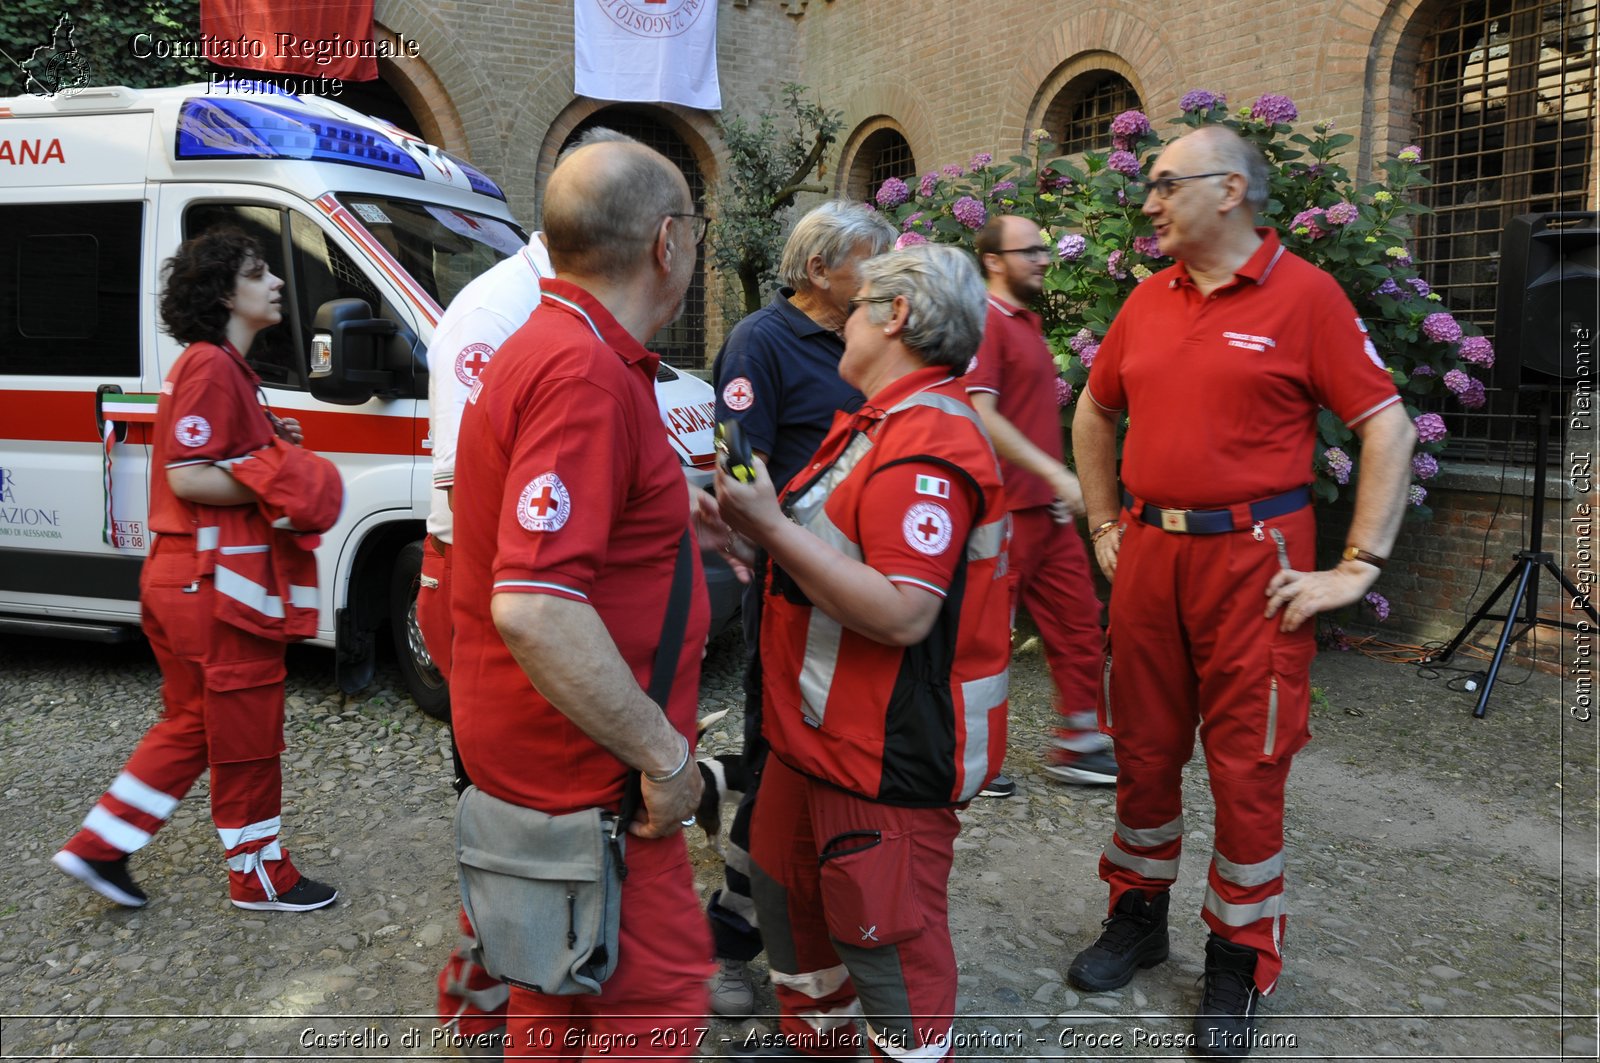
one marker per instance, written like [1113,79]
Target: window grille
[1094,100]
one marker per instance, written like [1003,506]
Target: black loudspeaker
[1546,313]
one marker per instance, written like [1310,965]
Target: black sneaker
[109,878]
[1135,936]
[999,786]
[1226,1023]
[306,896]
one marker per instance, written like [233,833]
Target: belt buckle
[1175,520]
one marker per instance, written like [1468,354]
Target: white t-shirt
[478,320]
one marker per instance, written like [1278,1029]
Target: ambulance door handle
[121,428]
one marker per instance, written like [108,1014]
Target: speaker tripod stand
[1525,575]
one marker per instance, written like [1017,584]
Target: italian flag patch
[933,485]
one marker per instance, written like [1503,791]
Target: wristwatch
[1355,553]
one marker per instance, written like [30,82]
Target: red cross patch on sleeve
[193,430]
[473,360]
[927,528]
[545,504]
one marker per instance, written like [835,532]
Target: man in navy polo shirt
[778,376]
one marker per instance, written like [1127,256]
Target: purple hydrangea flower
[1391,289]
[1339,464]
[1128,127]
[1070,247]
[1343,213]
[1477,350]
[1430,428]
[1416,494]
[953,170]
[1423,370]
[1003,190]
[929,182]
[969,212]
[979,161]
[1273,108]
[1081,341]
[1474,397]
[1424,466]
[1114,264]
[909,239]
[1086,356]
[892,193]
[1457,381]
[913,220]
[1441,328]
[1124,162]
[1148,246]
[1063,392]
[1419,286]
[1379,604]
[1201,100]
[1308,219]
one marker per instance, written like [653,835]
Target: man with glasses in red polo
[1221,363]
[1012,384]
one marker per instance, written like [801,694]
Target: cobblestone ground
[1443,882]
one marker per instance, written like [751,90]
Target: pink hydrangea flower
[969,212]
[1343,213]
[1071,247]
[1416,494]
[953,170]
[1339,464]
[979,161]
[1477,350]
[1307,220]
[1201,100]
[1474,397]
[914,220]
[1424,466]
[1063,392]
[1148,246]
[1003,190]
[1128,127]
[909,239]
[1114,264]
[1430,428]
[1441,328]
[892,193]
[1273,108]
[929,183]
[1410,153]
[1081,341]
[1124,162]
[1086,356]
[1379,604]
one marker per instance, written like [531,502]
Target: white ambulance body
[373,232]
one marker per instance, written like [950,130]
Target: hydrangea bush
[1087,208]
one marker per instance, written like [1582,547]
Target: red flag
[315,38]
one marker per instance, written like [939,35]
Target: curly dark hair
[199,276]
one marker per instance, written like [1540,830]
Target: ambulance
[373,232]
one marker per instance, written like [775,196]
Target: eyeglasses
[698,226]
[1036,252]
[1165,186]
[858,300]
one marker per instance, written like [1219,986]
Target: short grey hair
[1231,152]
[947,299]
[832,231]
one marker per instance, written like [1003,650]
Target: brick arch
[424,93]
[884,105]
[1122,41]
[1388,121]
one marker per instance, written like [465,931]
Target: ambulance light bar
[236,128]
[477,178]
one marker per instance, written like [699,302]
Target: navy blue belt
[1217,521]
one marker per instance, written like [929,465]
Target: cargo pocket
[244,709]
[1288,694]
[868,895]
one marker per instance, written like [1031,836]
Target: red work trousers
[853,901]
[223,692]
[1053,583]
[655,1003]
[433,603]
[1189,646]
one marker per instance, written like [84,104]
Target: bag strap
[668,651]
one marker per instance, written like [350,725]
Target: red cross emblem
[192,430]
[473,360]
[542,503]
[927,528]
[545,504]
[739,394]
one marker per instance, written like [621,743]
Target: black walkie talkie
[734,450]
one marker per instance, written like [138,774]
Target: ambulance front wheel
[428,688]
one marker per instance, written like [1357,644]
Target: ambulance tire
[428,688]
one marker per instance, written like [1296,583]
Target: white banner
[647,51]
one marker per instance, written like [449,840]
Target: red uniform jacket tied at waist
[260,556]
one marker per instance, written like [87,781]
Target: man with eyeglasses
[1012,384]
[1221,364]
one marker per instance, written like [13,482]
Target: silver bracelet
[688,749]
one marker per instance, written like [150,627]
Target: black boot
[1226,1023]
[1135,936]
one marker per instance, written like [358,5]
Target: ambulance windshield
[441,248]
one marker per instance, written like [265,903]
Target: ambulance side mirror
[347,345]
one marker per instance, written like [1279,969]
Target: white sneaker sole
[79,869]
[283,906]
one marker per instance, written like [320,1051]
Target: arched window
[1505,118]
[1079,118]
[681,343]
[885,153]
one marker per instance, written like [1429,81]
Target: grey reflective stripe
[978,698]
[1150,837]
[207,538]
[139,795]
[248,592]
[808,505]
[229,551]
[1244,914]
[247,861]
[1257,874]
[823,528]
[302,597]
[941,402]
[821,660]
[1164,870]
[984,541]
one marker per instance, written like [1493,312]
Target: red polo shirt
[565,485]
[208,411]
[1222,390]
[1015,366]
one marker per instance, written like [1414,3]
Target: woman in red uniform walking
[216,554]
